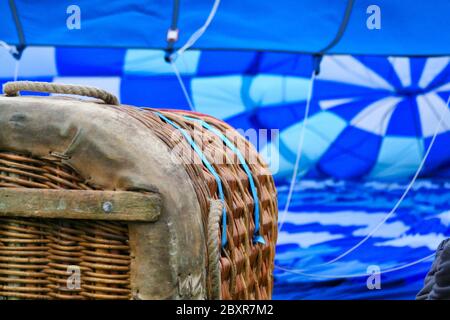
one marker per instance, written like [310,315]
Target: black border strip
[342,28]
[19,29]
[173,26]
[175,14]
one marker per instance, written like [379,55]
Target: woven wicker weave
[35,253]
[246,268]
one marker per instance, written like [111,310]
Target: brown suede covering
[114,151]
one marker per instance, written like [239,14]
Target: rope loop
[12,89]
[215,212]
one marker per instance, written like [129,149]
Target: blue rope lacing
[210,168]
[257,238]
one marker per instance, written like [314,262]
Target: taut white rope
[399,202]
[16,70]
[299,151]
[12,50]
[199,33]
[192,40]
[394,209]
[356,275]
[183,86]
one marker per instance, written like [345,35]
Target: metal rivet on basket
[107,207]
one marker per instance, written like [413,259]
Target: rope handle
[12,89]
[213,241]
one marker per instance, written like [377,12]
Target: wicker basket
[54,149]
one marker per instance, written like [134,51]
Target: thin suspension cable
[392,212]
[405,193]
[199,33]
[16,70]
[182,85]
[299,151]
[191,41]
[301,272]
[13,51]
[330,276]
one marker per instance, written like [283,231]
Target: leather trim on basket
[114,151]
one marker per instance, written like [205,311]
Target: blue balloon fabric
[328,218]
[370,117]
[386,27]
[380,98]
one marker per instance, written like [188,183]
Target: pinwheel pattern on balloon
[371,118]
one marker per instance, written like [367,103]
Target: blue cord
[210,168]
[257,237]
